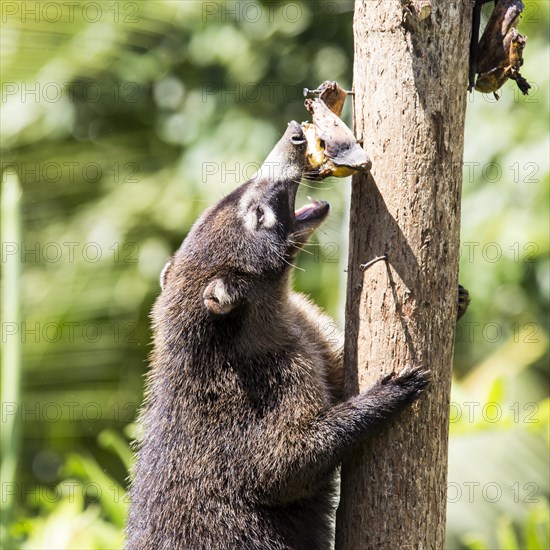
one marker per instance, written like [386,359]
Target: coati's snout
[286,161]
[240,249]
[275,186]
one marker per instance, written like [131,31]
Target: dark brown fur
[244,423]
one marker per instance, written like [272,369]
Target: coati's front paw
[389,396]
[411,382]
[463,301]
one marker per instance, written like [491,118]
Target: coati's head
[241,249]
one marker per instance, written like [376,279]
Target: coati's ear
[217,297]
[164,274]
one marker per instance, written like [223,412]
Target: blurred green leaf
[103,488]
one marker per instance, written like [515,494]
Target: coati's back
[241,427]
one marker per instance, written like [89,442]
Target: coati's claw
[385,379]
[412,381]
[463,301]
[393,393]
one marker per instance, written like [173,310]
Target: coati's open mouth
[307,219]
[315,211]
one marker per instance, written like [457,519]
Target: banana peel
[332,149]
[501,49]
[332,94]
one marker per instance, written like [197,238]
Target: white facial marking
[248,214]
[269,217]
[250,196]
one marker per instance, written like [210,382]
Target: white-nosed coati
[244,423]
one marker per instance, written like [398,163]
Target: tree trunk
[410,80]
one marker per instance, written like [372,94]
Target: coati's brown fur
[244,422]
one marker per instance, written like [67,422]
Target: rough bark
[410,80]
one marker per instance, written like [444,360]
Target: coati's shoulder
[312,318]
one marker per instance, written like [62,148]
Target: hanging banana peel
[332,149]
[332,94]
[499,55]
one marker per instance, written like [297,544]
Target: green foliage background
[122,122]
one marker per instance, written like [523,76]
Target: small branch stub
[364,267]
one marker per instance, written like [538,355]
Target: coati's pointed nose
[286,161]
[294,126]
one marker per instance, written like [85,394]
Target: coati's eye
[260,214]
